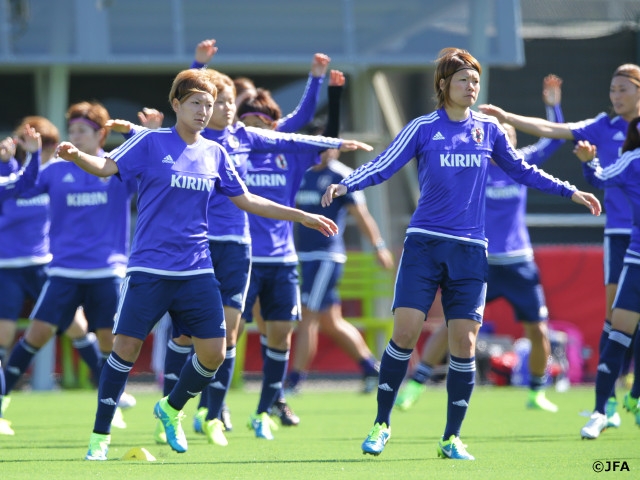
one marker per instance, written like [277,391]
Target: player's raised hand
[320,64]
[205,50]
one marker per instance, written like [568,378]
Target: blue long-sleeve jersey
[624,175]
[452,160]
[506,203]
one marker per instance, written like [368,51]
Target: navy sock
[536,382]
[393,368]
[273,371]
[219,386]
[461,379]
[604,338]
[609,366]
[110,386]
[2,387]
[87,347]
[635,388]
[193,378]
[422,374]
[369,367]
[18,363]
[295,378]
[175,358]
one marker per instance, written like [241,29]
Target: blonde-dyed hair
[191,81]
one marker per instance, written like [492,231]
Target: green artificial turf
[508,441]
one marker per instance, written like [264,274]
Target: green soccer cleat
[214,431]
[98,446]
[172,421]
[6,400]
[538,401]
[453,449]
[409,395]
[199,419]
[377,439]
[262,424]
[632,405]
[610,410]
[5,427]
[159,435]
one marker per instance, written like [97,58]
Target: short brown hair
[262,103]
[451,60]
[93,114]
[220,80]
[630,71]
[48,131]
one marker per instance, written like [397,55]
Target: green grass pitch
[508,441]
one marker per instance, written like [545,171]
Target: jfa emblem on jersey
[477,134]
[233,142]
[281,162]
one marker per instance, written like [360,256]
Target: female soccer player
[606,133]
[274,174]
[89,259]
[513,273]
[24,235]
[445,244]
[623,174]
[10,186]
[322,260]
[170,269]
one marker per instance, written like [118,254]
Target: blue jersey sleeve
[514,165]
[305,110]
[401,150]
[9,167]
[21,182]
[268,141]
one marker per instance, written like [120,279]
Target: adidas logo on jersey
[460,403]
[108,401]
[619,136]
[438,136]
[68,178]
[168,159]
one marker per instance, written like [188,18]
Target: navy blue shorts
[232,266]
[615,247]
[277,288]
[61,297]
[194,304]
[459,269]
[519,284]
[628,294]
[319,284]
[17,285]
